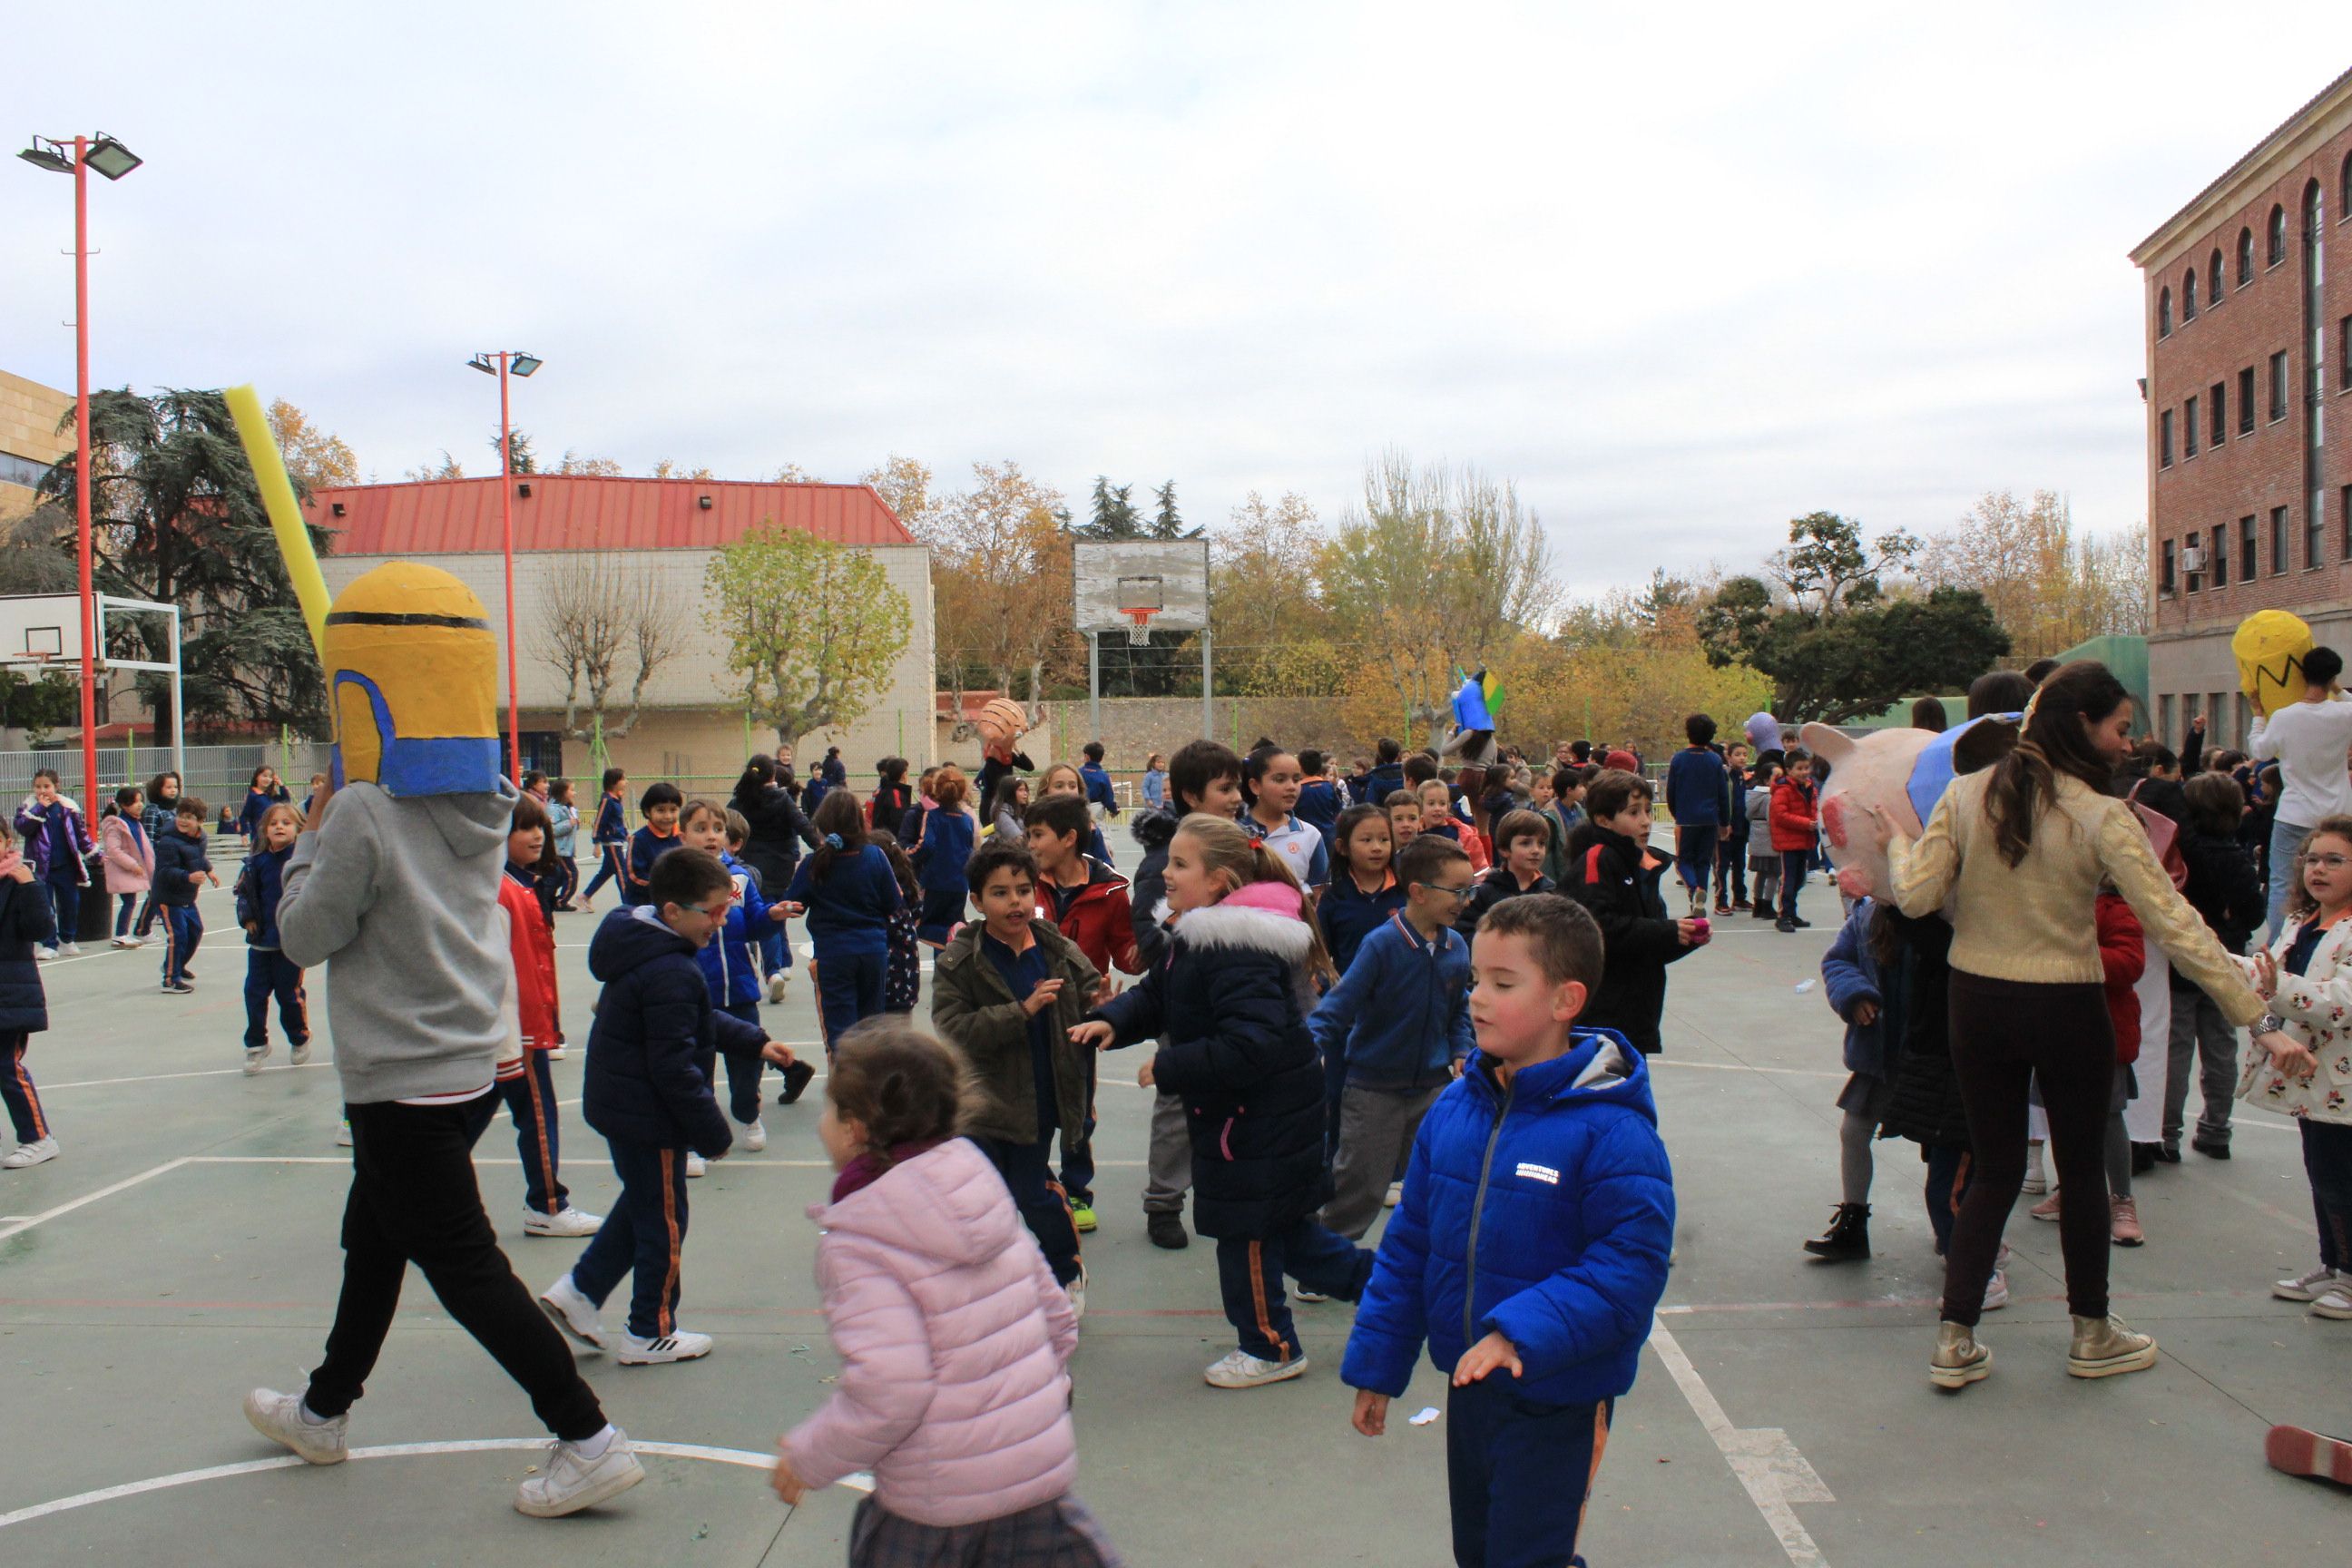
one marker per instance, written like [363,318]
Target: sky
[1681,273]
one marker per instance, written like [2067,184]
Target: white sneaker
[1076,1291]
[278,1418]
[342,1135]
[752,1134]
[2308,1286]
[679,1345]
[301,1055]
[565,1303]
[569,1480]
[38,1151]
[254,1056]
[694,1164]
[1304,1294]
[46,954]
[566,1221]
[1395,1195]
[557,1053]
[122,942]
[1996,1291]
[132,941]
[71,949]
[776,984]
[1239,1368]
[2336,1303]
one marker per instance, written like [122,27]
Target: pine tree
[1165,521]
[1114,512]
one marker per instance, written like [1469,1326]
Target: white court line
[45,1216]
[743,1457]
[160,1077]
[1656,1062]
[1762,1460]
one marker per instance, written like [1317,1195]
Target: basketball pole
[1094,685]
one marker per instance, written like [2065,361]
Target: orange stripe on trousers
[32,1095]
[663,1321]
[1257,1301]
[538,1114]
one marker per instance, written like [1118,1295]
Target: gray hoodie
[399,900]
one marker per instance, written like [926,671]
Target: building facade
[660,535]
[29,442]
[2248,394]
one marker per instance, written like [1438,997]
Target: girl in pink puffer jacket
[953,1336]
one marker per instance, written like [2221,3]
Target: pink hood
[953,1336]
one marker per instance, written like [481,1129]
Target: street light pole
[506,507]
[83,479]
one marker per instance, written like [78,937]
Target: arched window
[2245,257]
[2164,313]
[2213,278]
[2277,252]
[2189,296]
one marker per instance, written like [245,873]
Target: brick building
[2248,393]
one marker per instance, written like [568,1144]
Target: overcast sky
[1683,277]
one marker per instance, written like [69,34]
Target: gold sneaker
[1958,1360]
[2104,1347]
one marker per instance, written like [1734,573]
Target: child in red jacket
[1796,829]
[528,1088]
[1087,901]
[2122,959]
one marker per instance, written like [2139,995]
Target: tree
[1436,569]
[1166,521]
[1827,569]
[814,627]
[905,487]
[35,556]
[2051,586]
[177,520]
[604,625]
[573,463]
[314,458]
[448,469]
[38,705]
[1864,660]
[519,459]
[794,474]
[1001,582]
[1273,633]
[1114,515]
[1733,623]
[664,469]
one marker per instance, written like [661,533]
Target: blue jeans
[1517,1472]
[1044,1206]
[1249,1276]
[2328,1160]
[1792,880]
[65,907]
[2286,837]
[848,989]
[129,902]
[644,1234]
[530,1099]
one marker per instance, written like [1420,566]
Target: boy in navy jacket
[180,860]
[1698,797]
[645,1091]
[1400,1021]
[661,804]
[1530,1250]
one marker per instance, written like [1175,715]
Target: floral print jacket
[2316,1009]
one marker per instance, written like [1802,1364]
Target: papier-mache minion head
[2269,645]
[413,678]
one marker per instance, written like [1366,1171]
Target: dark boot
[1848,1239]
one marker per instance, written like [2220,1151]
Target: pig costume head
[1905,772]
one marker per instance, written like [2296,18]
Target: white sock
[593,1448]
[309,1417]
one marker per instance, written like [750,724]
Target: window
[2213,278]
[2250,550]
[2189,428]
[2278,540]
[2164,722]
[2278,385]
[2246,401]
[2189,296]
[2344,513]
[2315,539]
[2165,583]
[2164,439]
[2191,703]
[2245,257]
[2343,353]
[2218,558]
[2164,313]
[2276,252]
[2219,402]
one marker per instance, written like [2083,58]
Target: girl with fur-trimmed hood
[1229,998]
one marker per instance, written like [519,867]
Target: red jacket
[1098,919]
[1796,815]
[2122,959]
[534,965]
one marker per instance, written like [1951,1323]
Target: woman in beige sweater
[2016,854]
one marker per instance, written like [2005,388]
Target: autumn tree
[448,467]
[814,629]
[2050,585]
[665,468]
[573,463]
[1272,633]
[605,628]
[905,487]
[1001,581]
[315,459]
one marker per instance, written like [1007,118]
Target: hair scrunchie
[833,841]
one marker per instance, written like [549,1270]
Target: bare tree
[599,623]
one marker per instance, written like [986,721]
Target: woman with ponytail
[2018,851]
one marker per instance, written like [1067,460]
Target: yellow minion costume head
[2269,647]
[413,678]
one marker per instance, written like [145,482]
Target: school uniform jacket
[655,1026]
[260,885]
[645,847]
[25,923]
[973,1007]
[1617,883]
[1098,919]
[532,948]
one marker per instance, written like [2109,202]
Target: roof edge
[2239,174]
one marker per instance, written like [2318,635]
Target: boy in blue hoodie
[268,971]
[1530,1250]
[645,1091]
[1398,1021]
[660,805]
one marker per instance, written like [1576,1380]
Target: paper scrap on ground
[1428,1414]
[1803,986]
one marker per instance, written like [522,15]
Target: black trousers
[2006,1034]
[414,1199]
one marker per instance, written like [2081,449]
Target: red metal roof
[580,511]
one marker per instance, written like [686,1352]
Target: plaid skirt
[1057,1534]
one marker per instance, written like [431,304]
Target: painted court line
[125,1184]
[160,1077]
[1762,1459]
[744,1458]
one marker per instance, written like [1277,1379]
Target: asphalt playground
[182,1250]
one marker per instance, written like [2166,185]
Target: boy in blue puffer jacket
[1530,1250]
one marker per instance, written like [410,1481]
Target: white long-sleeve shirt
[2310,741]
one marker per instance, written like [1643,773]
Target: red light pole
[522,364]
[114,159]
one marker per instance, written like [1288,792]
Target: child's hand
[253,928]
[1093,1033]
[780,912]
[2286,1055]
[1688,932]
[788,1484]
[1371,1417]
[2266,975]
[22,873]
[1103,993]
[1484,1357]
[1865,1014]
[778,1052]
[1144,1077]
[1041,996]
[211,877]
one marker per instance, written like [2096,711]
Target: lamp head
[523,364]
[111,157]
[45,153]
[482,362]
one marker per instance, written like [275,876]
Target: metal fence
[217,775]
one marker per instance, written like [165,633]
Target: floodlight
[524,364]
[482,362]
[111,157]
[46,154]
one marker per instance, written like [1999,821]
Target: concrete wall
[29,413]
[1135,727]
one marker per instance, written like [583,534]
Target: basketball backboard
[1134,585]
[38,627]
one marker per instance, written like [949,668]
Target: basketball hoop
[1140,633]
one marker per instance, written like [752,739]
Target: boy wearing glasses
[1614,873]
[1399,1019]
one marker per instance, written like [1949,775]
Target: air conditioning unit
[2192,558]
